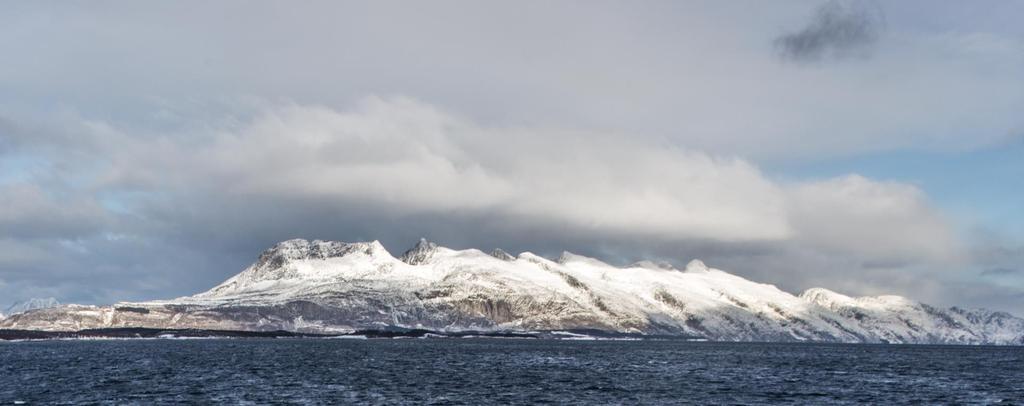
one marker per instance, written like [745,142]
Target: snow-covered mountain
[327,286]
[31,304]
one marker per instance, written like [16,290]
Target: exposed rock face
[502,255]
[322,286]
[419,254]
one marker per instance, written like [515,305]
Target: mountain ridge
[329,286]
[29,304]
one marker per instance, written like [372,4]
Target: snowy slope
[31,304]
[324,286]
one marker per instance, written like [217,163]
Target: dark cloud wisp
[1000,272]
[838,29]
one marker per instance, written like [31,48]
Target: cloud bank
[406,157]
[391,164]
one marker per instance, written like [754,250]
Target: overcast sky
[151,150]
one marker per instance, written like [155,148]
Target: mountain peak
[301,249]
[298,248]
[31,304]
[568,257]
[696,266]
[420,253]
[826,298]
[298,259]
[502,255]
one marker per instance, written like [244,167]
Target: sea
[491,371]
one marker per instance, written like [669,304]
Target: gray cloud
[27,211]
[997,255]
[838,29]
[652,71]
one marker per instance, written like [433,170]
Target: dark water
[497,371]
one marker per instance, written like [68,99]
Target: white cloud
[405,157]
[878,221]
[396,168]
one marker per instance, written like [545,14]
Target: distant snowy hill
[327,286]
[31,304]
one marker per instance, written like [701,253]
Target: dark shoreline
[139,332]
[143,333]
[130,333]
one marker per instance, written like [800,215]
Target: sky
[151,150]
